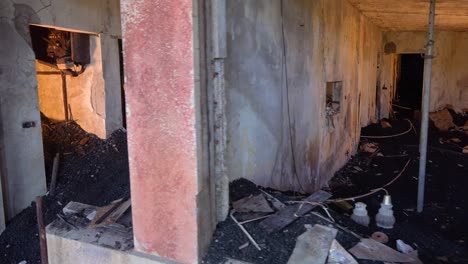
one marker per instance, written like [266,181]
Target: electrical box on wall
[68,51]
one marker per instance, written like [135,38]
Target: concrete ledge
[73,239]
[63,250]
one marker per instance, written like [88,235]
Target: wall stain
[24,16]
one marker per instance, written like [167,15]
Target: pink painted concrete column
[159,84]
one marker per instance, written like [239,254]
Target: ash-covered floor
[439,234]
[91,171]
[95,171]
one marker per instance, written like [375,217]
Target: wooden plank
[111,213]
[41,228]
[286,216]
[53,181]
[119,211]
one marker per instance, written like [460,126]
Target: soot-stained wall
[23,163]
[281,54]
[449,69]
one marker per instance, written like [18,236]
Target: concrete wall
[449,74]
[23,176]
[277,129]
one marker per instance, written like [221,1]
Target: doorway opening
[409,83]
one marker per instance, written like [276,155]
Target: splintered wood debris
[292,212]
[111,213]
[78,222]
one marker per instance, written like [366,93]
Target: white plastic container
[384,217]
[360,215]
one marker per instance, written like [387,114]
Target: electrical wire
[293,156]
[402,107]
[374,190]
[396,135]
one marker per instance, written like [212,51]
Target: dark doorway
[410,81]
[122,84]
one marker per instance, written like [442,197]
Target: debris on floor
[403,247]
[93,172]
[290,213]
[438,235]
[369,147]
[380,237]
[385,124]
[442,119]
[256,204]
[312,247]
[75,224]
[372,250]
[339,255]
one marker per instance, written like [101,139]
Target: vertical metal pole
[426,98]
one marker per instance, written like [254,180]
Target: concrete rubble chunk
[385,124]
[338,255]
[73,208]
[312,247]
[372,250]
[257,204]
[369,147]
[442,119]
[403,247]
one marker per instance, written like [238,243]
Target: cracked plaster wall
[277,130]
[23,163]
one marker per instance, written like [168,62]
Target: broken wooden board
[289,214]
[338,255]
[312,247]
[277,204]
[119,212]
[110,213]
[372,250]
[256,204]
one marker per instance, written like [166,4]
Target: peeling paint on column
[158,54]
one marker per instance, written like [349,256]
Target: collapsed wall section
[281,55]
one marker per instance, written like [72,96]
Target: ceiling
[413,15]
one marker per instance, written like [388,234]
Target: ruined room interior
[267,131]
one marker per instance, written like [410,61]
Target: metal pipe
[426,98]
